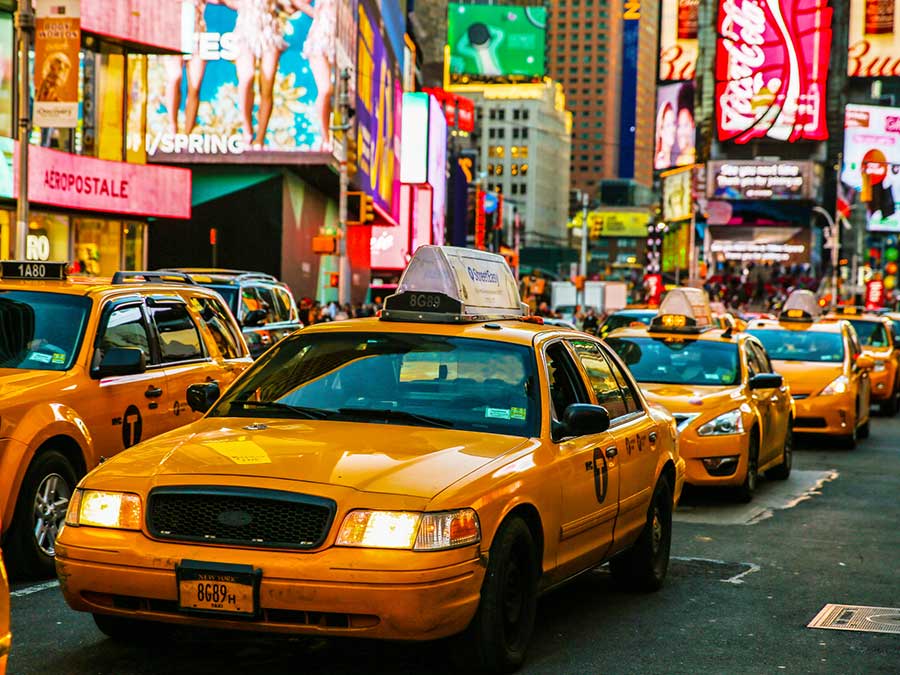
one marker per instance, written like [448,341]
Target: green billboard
[496,42]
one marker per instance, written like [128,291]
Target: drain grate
[856,617]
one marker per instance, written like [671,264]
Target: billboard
[872,162]
[751,179]
[631,33]
[146,22]
[256,82]
[6,74]
[874,39]
[677,189]
[675,128]
[57,41]
[678,44]
[496,42]
[771,70]
[378,103]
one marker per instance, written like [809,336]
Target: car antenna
[726,334]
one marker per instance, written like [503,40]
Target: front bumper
[394,595]
[834,414]
[693,448]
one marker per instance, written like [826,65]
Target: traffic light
[352,155]
[334,280]
[366,209]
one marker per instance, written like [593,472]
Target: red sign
[72,181]
[771,69]
[459,110]
[156,23]
[480,220]
[874,294]
[653,286]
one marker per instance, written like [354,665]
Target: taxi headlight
[409,530]
[96,508]
[839,385]
[731,422]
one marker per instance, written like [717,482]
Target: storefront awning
[208,185]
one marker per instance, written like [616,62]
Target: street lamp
[835,234]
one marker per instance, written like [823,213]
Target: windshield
[228,293]
[798,345]
[622,320]
[679,361]
[871,333]
[41,331]
[425,380]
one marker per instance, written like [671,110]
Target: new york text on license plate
[213,587]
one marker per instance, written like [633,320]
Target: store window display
[98,246]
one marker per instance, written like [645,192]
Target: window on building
[516,114]
[525,134]
[515,132]
[523,188]
[525,114]
[501,115]
[523,169]
[515,189]
[493,114]
[501,133]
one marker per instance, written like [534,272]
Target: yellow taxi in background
[876,337]
[5,634]
[824,365]
[733,412]
[88,368]
[407,478]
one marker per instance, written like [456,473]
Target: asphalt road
[743,584]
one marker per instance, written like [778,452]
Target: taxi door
[774,404]
[184,357]
[589,476]
[125,409]
[633,437]
[222,337]
[858,376]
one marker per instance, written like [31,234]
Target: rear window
[871,333]
[801,345]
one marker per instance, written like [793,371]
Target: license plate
[217,588]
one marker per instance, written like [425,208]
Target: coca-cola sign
[771,69]
[874,39]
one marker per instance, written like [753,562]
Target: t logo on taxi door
[132,426]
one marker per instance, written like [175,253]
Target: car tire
[863,431]
[40,512]
[128,631]
[499,634]
[783,470]
[744,494]
[889,407]
[643,567]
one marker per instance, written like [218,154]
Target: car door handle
[153,392]
[611,452]
[652,437]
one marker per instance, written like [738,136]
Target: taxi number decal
[601,475]
[424,301]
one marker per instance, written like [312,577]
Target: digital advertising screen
[874,39]
[496,42]
[678,44]
[772,69]
[256,80]
[675,127]
[872,162]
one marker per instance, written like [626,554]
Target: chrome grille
[242,516]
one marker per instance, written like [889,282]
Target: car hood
[14,381]
[394,459]
[805,377]
[679,398]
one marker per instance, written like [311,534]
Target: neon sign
[771,69]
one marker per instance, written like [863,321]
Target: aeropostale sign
[84,183]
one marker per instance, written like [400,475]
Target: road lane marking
[37,588]
[737,579]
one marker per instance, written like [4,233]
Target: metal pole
[582,265]
[24,27]
[692,251]
[344,271]
[835,229]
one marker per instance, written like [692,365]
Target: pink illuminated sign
[70,181]
[149,22]
[771,69]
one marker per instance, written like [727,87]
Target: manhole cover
[856,617]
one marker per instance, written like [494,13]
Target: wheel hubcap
[50,504]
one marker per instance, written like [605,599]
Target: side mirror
[122,361]
[201,397]
[766,381]
[583,419]
[864,362]
[255,317]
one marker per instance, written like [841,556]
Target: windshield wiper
[399,415]
[304,411]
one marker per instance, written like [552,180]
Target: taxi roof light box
[683,309]
[800,305]
[447,284]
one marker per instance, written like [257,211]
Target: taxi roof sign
[685,309]
[447,284]
[31,270]
[801,305]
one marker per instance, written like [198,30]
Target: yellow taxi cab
[877,339]
[823,363]
[5,634]
[88,368]
[733,411]
[408,477]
